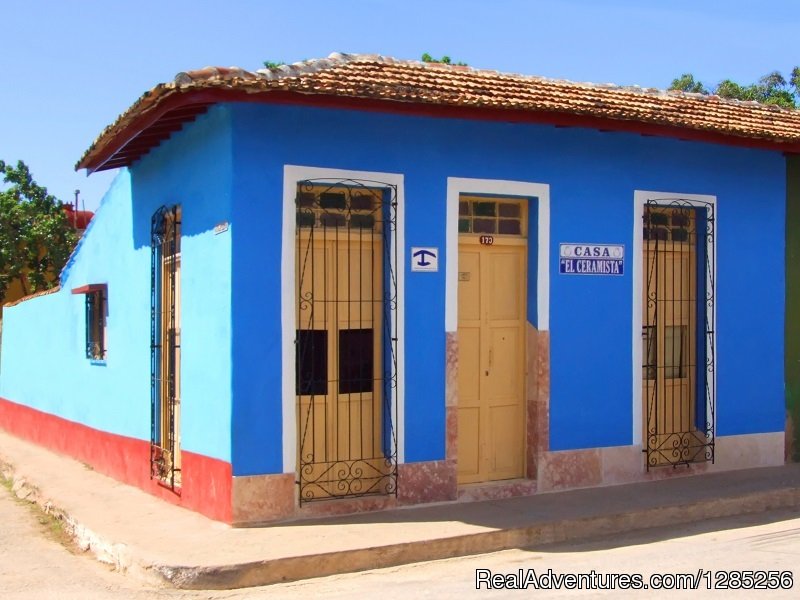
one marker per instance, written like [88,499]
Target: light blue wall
[43,358]
[592,177]
[44,362]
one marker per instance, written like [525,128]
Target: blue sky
[69,68]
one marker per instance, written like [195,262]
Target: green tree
[445,60]
[36,237]
[687,83]
[772,88]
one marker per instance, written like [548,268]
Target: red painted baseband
[207,482]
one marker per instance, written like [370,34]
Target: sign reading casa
[591,259]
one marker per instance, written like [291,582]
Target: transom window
[486,215]
[327,206]
[668,224]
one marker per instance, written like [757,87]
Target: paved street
[33,566]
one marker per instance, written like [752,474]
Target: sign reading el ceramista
[581,258]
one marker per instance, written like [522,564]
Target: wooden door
[166,441]
[491,342]
[340,381]
[669,337]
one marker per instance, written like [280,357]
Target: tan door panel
[491,327]
[342,432]
[504,265]
[469,365]
[469,454]
[505,460]
[504,373]
[669,372]
[469,286]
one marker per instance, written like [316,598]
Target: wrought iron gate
[164,344]
[346,338]
[678,332]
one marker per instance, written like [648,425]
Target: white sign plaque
[425,260]
[580,258]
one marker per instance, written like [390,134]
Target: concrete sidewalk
[148,537]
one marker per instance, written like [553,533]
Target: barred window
[96,300]
[96,325]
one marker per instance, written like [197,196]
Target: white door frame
[640,198]
[499,187]
[292,174]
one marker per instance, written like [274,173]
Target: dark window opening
[337,200]
[680,235]
[306,219]
[305,199]
[484,226]
[356,358]
[362,202]
[650,364]
[484,209]
[510,227]
[362,221]
[332,220]
[312,362]
[509,210]
[95,325]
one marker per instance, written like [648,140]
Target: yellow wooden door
[170,344]
[177,367]
[669,334]
[340,306]
[491,342]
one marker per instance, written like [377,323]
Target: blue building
[358,282]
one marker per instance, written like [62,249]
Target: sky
[68,69]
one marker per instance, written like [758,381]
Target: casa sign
[581,258]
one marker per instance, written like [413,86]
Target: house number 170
[486,240]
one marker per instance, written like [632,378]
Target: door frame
[471,241]
[640,198]
[498,187]
[538,241]
[292,174]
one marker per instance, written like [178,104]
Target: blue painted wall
[43,360]
[228,166]
[592,177]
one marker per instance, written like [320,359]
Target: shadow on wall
[193,169]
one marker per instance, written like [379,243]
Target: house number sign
[486,240]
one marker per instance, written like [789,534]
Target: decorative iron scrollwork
[164,345]
[346,311]
[678,332]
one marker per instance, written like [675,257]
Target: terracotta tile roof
[51,290]
[380,78]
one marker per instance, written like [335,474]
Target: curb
[298,567]
[293,568]
[105,551]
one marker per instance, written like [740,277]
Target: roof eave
[110,149]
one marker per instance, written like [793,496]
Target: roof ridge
[384,78]
[336,59]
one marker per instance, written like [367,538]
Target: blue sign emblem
[425,259]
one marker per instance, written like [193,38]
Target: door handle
[490,361]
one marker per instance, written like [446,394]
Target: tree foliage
[36,237]
[772,88]
[268,64]
[445,60]
[687,83]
